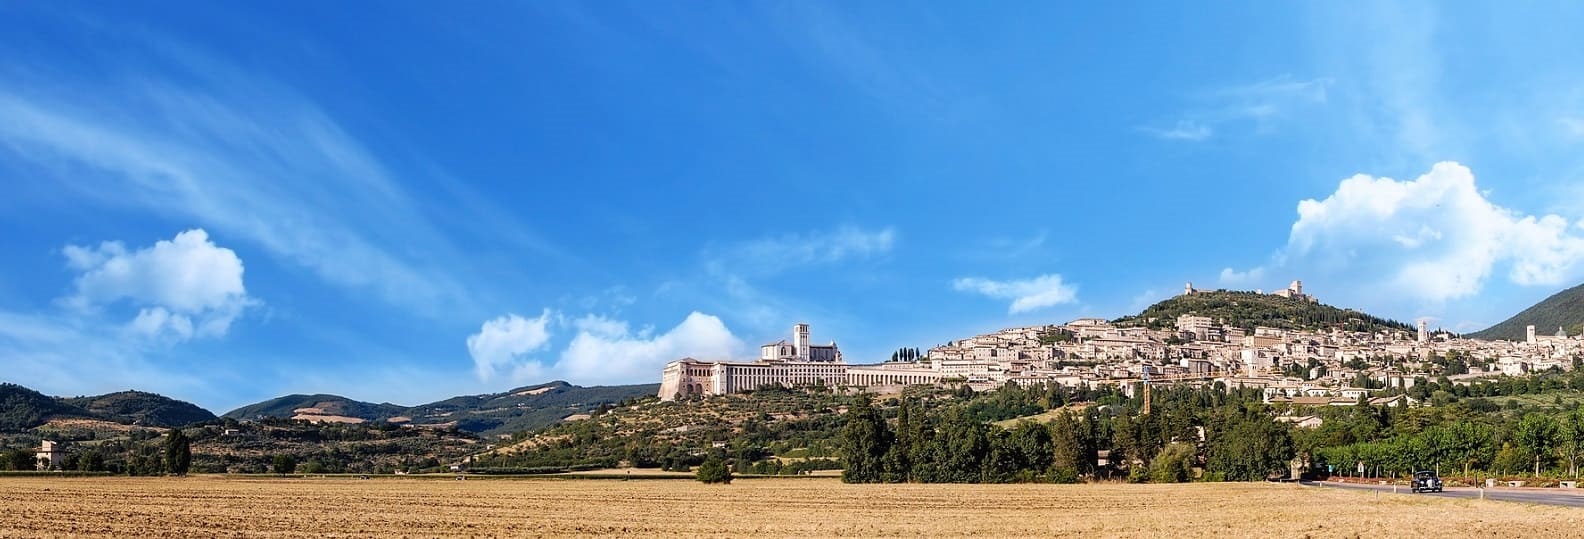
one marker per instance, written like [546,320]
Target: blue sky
[226,202]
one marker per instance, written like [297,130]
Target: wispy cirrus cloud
[1261,105]
[775,254]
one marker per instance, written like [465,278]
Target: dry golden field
[231,507]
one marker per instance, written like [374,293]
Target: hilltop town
[1305,353]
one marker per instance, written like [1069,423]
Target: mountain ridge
[1563,309]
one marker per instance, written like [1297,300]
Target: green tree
[714,470]
[1067,447]
[20,460]
[178,452]
[1538,435]
[1572,435]
[1174,464]
[865,440]
[1248,446]
[284,464]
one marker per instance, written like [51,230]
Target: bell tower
[800,341]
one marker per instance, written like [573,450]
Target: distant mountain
[141,408]
[524,408]
[321,407]
[1250,309]
[22,408]
[1564,309]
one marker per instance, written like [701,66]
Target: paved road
[1535,495]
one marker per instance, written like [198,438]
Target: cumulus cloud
[605,351]
[183,287]
[1026,295]
[505,342]
[1436,237]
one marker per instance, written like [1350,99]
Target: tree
[285,464]
[1067,459]
[865,440]
[1538,435]
[178,452]
[1174,464]
[1248,446]
[21,460]
[714,470]
[1572,447]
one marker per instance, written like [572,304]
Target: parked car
[1426,481]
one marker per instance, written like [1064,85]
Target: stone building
[785,364]
[50,456]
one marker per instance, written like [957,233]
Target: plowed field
[232,507]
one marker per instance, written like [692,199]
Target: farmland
[219,506]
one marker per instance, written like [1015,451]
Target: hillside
[525,408]
[140,408]
[22,408]
[317,407]
[1564,309]
[1249,309]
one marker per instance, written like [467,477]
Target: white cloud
[772,255]
[1262,103]
[183,287]
[193,138]
[1435,238]
[505,342]
[1026,295]
[606,352]
[1184,130]
[1234,277]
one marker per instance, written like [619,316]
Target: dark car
[1426,481]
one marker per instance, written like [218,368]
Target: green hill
[525,408]
[335,405]
[22,408]
[1564,309]
[1249,309]
[141,408]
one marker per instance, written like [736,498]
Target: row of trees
[1533,443]
[171,455]
[946,443]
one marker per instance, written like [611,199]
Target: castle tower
[1188,289]
[1296,288]
[1531,334]
[800,341]
[1424,331]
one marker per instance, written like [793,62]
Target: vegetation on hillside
[1564,309]
[140,408]
[228,446]
[524,408]
[1248,309]
[22,408]
[286,406]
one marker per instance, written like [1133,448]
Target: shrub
[714,470]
